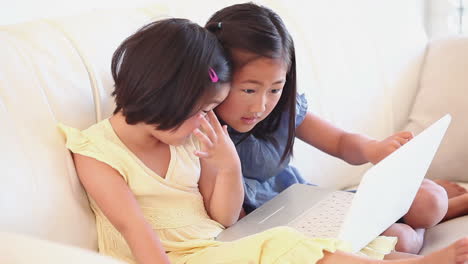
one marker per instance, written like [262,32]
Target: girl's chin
[243,128]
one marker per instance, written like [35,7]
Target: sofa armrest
[19,249]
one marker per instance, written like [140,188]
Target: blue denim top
[264,177]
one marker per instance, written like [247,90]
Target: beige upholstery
[54,71]
[58,70]
[17,249]
[443,90]
[43,82]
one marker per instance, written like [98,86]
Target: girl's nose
[259,106]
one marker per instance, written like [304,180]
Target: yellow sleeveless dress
[174,207]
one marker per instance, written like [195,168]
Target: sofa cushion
[42,80]
[443,88]
[444,234]
[18,249]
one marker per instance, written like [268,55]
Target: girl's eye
[249,91]
[275,91]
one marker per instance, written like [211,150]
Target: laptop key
[325,218]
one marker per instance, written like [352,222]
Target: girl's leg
[453,189]
[458,206]
[429,207]
[409,240]
[339,257]
[457,253]
[400,255]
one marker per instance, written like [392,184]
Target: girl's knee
[435,197]
[409,240]
[429,206]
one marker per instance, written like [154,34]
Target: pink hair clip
[214,78]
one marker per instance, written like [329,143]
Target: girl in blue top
[265,115]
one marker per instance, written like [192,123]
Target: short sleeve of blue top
[264,178]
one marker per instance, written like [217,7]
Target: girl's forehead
[264,62]
[242,58]
[261,68]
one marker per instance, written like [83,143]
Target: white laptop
[384,195]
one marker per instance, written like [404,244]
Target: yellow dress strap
[90,145]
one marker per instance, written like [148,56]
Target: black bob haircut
[162,72]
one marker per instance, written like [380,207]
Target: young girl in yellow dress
[162,174]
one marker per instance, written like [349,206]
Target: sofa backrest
[55,70]
[359,64]
[443,89]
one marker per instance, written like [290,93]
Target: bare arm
[223,194]
[221,178]
[332,140]
[353,148]
[111,193]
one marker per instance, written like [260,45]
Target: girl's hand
[217,148]
[375,150]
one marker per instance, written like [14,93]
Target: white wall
[437,12]
[438,22]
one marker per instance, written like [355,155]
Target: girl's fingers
[395,146]
[208,129]
[225,130]
[204,140]
[215,122]
[201,154]
[401,140]
[406,135]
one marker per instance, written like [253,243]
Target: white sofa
[58,70]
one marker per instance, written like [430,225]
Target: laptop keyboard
[325,218]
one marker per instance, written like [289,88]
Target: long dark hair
[162,72]
[260,31]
